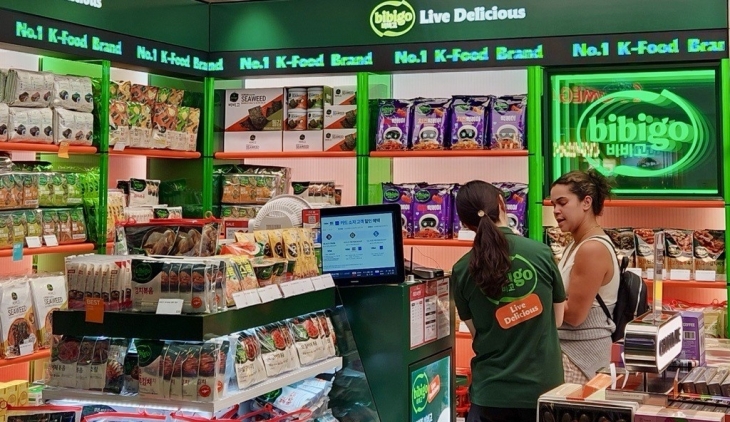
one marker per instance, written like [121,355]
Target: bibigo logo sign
[392,18]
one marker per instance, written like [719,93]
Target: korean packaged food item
[34,125]
[249,364]
[118,122]
[644,249]
[393,129]
[188,122]
[49,295]
[164,122]
[328,333]
[98,366]
[275,350]
[678,250]
[11,191]
[172,370]
[64,356]
[140,124]
[24,88]
[624,241]
[17,319]
[709,252]
[403,196]
[83,365]
[131,373]
[430,123]
[240,211]
[315,192]
[250,189]
[170,96]
[167,212]
[72,127]
[515,199]
[558,241]
[208,371]
[4,121]
[308,339]
[144,192]
[468,122]
[73,93]
[150,354]
[52,190]
[432,211]
[67,224]
[144,94]
[114,371]
[120,90]
[507,122]
[190,367]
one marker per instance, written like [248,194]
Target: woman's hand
[593,268]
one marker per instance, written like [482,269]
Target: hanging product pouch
[17,320]
[49,295]
[72,127]
[31,125]
[249,364]
[73,93]
[118,122]
[25,88]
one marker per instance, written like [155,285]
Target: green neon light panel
[654,132]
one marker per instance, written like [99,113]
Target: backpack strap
[599,299]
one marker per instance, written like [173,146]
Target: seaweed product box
[254,119]
[693,343]
[304,141]
[340,117]
[344,95]
[340,139]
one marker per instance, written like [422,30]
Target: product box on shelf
[340,139]
[305,109]
[344,95]
[693,342]
[340,117]
[254,120]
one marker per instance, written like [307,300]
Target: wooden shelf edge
[658,203]
[449,153]
[41,354]
[691,284]
[156,153]
[284,154]
[77,247]
[44,148]
[438,242]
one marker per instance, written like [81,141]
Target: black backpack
[631,300]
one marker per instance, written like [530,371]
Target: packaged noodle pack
[17,319]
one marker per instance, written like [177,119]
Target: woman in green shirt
[510,295]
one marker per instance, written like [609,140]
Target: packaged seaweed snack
[24,88]
[164,122]
[430,123]
[507,120]
[72,127]
[468,122]
[17,319]
[140,124]
[515,199]
[170,96]
[144,94]
[49,295]
[120,90]
[33,125]
[4,122]
[73,93]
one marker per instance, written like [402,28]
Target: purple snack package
[393,125]
[429,123]
[432,212]
[515,198]
[403,196]
[468,122]
[507,117]
[455,221]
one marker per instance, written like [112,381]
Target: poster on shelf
[655,132]
[430,391]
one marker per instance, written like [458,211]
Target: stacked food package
[151,117]
[429,211]
[457,123]
[700,252]
[40,107]
[27,305]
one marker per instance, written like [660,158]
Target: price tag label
[169,307]
[17,251]
[679,275]
[94,310]
[328,281]
[705,275]
[119,146]
[246,298]
[290,288]
[33,242]
[318,283]
[26,349]
[306,285]
[269,293]
[63,150]
[50,240]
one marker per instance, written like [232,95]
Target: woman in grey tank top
[586,267]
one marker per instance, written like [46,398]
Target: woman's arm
[559,309]
[592,262]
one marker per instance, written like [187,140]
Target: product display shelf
[192,327]
[232,399]
[659,203]
[283,154]
[62,249]
[52,148]
[156,153]
[438,242]
[449,153]
[41,354]
[689,284]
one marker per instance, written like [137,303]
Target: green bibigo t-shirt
[517,349]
